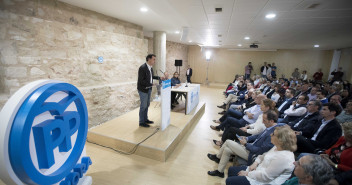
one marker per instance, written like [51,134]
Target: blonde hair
[286,137]
[347,130]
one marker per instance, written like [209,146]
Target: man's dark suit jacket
[190,72]
[328,135]
[286,106]
[143,83]
[308,124]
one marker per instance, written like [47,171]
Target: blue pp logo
[48,135]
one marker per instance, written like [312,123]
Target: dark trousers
[143,109]
[233,179]
[232,122]
[304,145]
[189,79]
[230,133]
[231,113]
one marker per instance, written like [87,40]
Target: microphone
[162,72]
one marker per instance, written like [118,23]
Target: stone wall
[53,40]
[173,51]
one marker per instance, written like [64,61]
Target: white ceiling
[296,26]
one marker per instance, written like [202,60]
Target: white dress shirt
[255,110]
[150,71]
[291,111]
[257,127]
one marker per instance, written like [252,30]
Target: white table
[192,94]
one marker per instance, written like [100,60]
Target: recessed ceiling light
[239,45]
[143,9]
[177,32]
[219,35]
[190,41]
[247,38]
[270,16]
[316,46]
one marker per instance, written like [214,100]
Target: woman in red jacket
[339,156]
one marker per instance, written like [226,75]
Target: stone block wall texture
[53,40]
[174,51]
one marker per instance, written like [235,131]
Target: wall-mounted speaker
[178,62]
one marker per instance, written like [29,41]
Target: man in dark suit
[306,124]
[324,135]
[189,74]
[288,102]
[248,146]
[144,86]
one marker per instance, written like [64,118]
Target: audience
[312,111]
[252,129]
[248,146]
[273,167]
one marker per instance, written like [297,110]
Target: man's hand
[250,115]
[243,140]
[242,173]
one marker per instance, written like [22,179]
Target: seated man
[296,110]
[346,115]
[321,95]
[288,101]
[239,120]
[252,145]
[324,136]
[311,169]
[306,124]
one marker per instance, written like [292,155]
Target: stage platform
[123,132]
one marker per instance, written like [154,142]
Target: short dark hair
[306,98]
[150,56]
[271,115]
[292,91]
[323,92]
[333,107]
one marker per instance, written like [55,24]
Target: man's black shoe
[222,113]
[143,125]
[149,122]
[222,106]
[213,158]
[216,173]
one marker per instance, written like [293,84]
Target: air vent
[218,10]
[313,6]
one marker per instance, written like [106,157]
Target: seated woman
[175,82]
[252,129]
[339,156]
[273,167]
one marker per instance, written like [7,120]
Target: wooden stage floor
[123,132]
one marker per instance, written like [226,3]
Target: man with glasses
[309,121]
[311,169]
